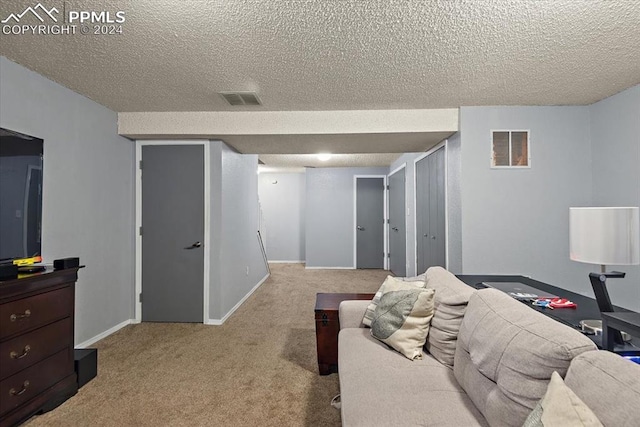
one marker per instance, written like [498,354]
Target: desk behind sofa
[587,307]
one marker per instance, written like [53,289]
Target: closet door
[422,215]
[397,224]
[437,211]
[430,211]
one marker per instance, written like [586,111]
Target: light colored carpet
[259,368]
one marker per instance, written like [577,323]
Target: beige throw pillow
[560,407]
[401,319]
[390,280]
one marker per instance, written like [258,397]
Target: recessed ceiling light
[323,157]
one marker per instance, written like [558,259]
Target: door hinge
[388,222]
[389,255]
[387,187]
[140,165]
[140,231]
[140,297]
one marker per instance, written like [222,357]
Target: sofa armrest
[351,313]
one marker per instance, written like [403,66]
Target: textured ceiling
[302,132]
[341,54]
[344,144]
[280,162]
[328,55]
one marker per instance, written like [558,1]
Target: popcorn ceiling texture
[336,160]
[342,55]
[302,132]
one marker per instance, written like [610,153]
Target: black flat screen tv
[20,196]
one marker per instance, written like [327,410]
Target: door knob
[360,228]
[195,245]
[426,235]
[433,237]
[394,228]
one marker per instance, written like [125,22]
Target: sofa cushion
[350,313]
[560,407]
[402,319]
[506,353]
[609,385]
[380,387]
[398,283]
[452,296]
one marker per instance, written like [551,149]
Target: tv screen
[20,195]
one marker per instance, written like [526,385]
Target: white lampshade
[605,236]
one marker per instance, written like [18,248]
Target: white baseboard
[105,334]
[330,268]
[218,322]
[300,261]
[119,326]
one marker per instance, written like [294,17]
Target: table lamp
[605,236]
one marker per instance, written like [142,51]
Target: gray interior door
[397,224]
[370,222]
[172,233]
[430,211]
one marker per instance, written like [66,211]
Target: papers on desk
[519,290]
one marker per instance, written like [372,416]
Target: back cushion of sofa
[609,385]
[506,354]
[451,298]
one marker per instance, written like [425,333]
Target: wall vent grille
[241,98]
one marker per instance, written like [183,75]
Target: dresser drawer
[25,350]
[35,311]
[19,388]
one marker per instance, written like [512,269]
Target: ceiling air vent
[241,98]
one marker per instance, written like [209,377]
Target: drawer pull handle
[14,355]
[15,317]
[25,386]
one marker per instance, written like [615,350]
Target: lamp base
[594,327]
[598,283]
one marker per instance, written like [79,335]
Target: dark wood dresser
[36,343]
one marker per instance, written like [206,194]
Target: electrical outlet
[247,270]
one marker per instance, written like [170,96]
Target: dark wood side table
[328,326]
[628,322]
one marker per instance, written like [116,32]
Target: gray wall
[215,229]
[237,265]
[615,144]
[516,221]
[282,199]
[454,203]
[329,215]
[454,225]
[88,191]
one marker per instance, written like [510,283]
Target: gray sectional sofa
[487,361]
